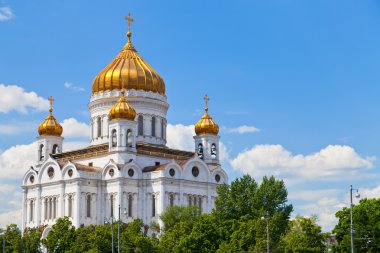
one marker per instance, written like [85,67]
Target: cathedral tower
[49,139]
[207,139]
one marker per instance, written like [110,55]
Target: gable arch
[204,172]
[177,169]
[136,170]
[65,171]
[42,172]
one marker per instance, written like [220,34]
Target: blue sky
[305,73]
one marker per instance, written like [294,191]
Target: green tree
[13,242]
[241,207]
[31,240]
[366,223]
[61,237]
[304,236]
[175,214]
[82,241]
[133,240]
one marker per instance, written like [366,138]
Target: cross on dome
[129,20]
[206,99]
[51,100]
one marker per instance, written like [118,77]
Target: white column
[77,205]
[24,207]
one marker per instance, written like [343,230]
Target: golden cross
[206,99]
[129,19]
[51,100]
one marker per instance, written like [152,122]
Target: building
[127,172]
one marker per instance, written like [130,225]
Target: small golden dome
[50,125]
[122,110]
[128,67]
[206,125]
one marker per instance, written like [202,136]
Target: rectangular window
[130,205]
[153,206]
[88,205]
[111,203]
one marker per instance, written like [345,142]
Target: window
[99,127]
[140,123]
[130,205]
[200,151]
[40,152]
[195,171]
[31,211]
[114,138]
[55,149]
[200,203]
[153,205]
[111,205]
[70,206]
[190,200]
[171,199]
[129,138]
[46,208]
[88,202]
[50,208]
[153,126]
[54,208]
[213,151]
[162,128]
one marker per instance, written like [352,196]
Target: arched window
[88,205]
[31,214]
[129,138]
[171,199]
[111,205]
[162,128]
[40,152]
[153,205]
[153,126]
[200,203]
[213,150]
[55,149]
[200,151]
[99,127]
[130,205]
[70,206]
[190,200]
[114,138]
[140,125]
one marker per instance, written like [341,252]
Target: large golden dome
[206,125]
[50,125]
[130,68]
[122,110]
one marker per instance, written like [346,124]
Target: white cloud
[6,14]
[12,217]
[15,161]
[332,162]
[243,129]
[180,137]
[71,86]
[312,195]
[370,192]
[15,98]
[72,128]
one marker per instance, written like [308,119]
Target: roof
[142,149]
[80,167]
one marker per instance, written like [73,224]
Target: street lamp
[265,217]
[357,195]
[107,221]
[118,230]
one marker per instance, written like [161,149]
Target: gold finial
[206,99]
[51,100]
[129,20]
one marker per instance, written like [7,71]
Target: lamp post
[118,229]
[107,221]
[357,195]
[265,217]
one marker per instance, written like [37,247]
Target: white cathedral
[127,172]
